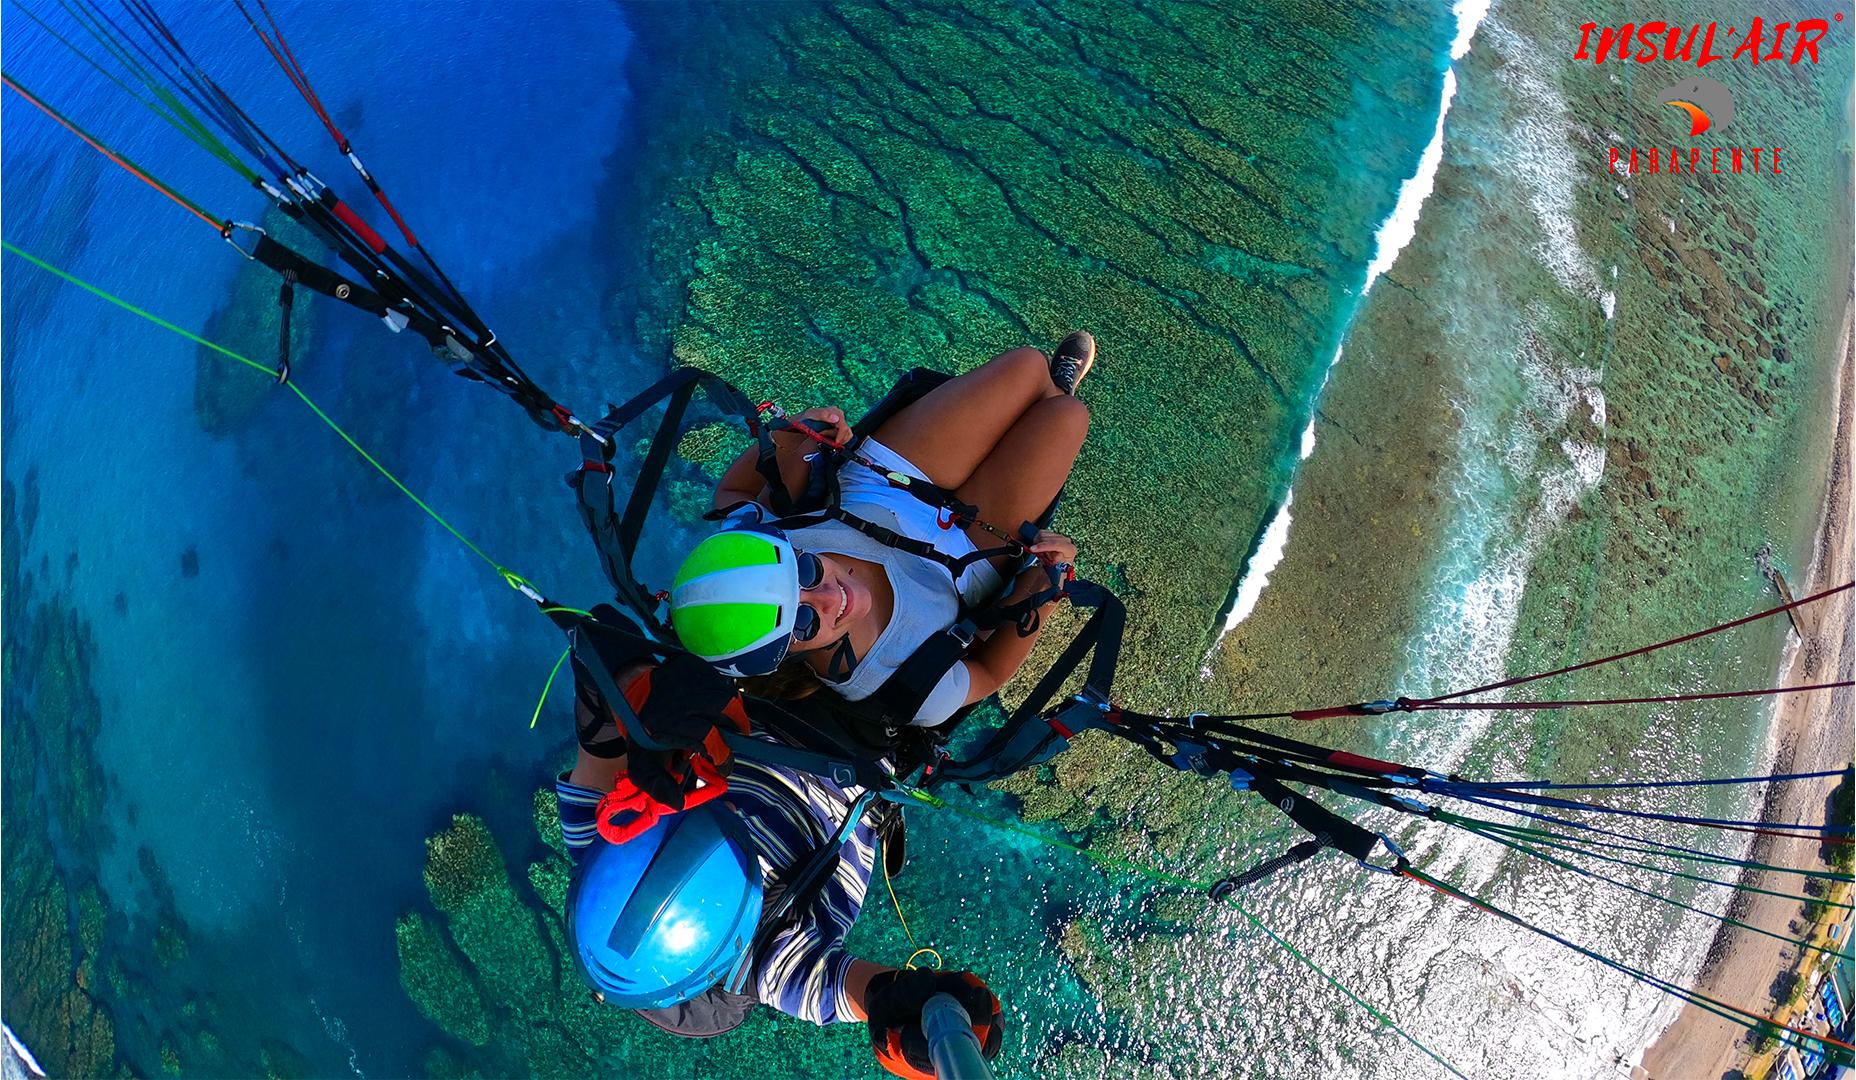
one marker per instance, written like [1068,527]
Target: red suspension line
[1518,680]
[128,166]
[1497,706]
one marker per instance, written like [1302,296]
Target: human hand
[1054,549]
[895,1000]
[827,420]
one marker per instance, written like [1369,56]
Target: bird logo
[1707,103]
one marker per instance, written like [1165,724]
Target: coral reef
[858,188]
[88,973]
[54,975]
[854,189]
[866,187]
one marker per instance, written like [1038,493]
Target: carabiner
[225,233]
[1398,854]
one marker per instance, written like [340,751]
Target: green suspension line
[1564,865]
[1672,854]
[1832,1047]
[514,580]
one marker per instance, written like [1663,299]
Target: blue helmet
[661,919]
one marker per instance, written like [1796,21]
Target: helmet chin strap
[843,660]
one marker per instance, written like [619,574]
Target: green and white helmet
[735,600]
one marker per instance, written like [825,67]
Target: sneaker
[1075,355]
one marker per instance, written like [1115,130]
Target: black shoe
[1075,355]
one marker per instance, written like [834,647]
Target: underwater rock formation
[860,188]
[855,189]
[227,395]
[54,972]
[88,986]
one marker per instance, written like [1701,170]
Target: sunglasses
[806,621]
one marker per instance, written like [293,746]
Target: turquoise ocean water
[247,680]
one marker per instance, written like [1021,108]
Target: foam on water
[1469,15]
[1257,571]
[1393,234]
[1504,458]
[1539,147]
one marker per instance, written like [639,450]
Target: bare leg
[1028,466]
[959,424]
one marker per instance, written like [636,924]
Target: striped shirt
[802,969]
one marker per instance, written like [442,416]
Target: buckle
[1190,757]
[963,632]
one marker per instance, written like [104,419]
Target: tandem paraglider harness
[868,744]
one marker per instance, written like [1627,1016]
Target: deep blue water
[335,680]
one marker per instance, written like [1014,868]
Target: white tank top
[925,599]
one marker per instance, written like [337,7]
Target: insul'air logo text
[1695,43]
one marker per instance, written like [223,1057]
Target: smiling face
[842,599]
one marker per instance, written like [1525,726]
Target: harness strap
[292,266]
[888,537]
[843,770]
[616,534]
[1317,820]
[1100,635]
[663,442]
[802,886]
[1019,746]
[1030,735]
[286,303]
[595,668]
[908,687]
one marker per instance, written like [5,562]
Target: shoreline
[1390,239]
[1738,968]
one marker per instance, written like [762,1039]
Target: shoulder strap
[598,647]
[902,695]
[1031,734]
[785,899]
[616,532]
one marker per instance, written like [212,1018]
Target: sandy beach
[1811,731]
